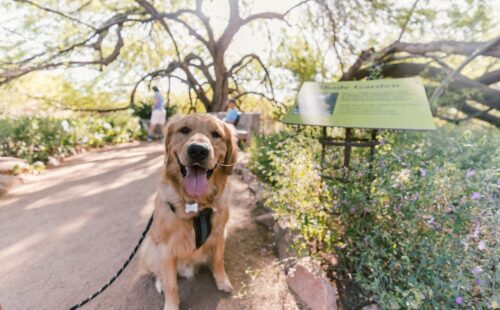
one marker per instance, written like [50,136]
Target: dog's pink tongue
[195,182]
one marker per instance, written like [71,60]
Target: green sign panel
[388,103]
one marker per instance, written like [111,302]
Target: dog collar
[202,224]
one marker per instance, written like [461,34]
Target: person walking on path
[158,114]
[232,115]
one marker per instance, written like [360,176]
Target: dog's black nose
[197,152]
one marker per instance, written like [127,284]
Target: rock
[239,169]
[254,187]
[370,307]
[312,288]
[329,258]
[7,182]
[247,176]
[262,196]
[284,239]
[261,192]
[266,220]
[7,164]
[52,161]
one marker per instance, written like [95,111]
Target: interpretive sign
[387,103]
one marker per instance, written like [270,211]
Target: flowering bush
[422,235]
[38,138]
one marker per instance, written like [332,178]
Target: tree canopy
[129,44]
[97,38]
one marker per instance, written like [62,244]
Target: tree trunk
[221,89]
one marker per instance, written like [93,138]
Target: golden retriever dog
[191,208]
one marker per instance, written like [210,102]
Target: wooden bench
[247,127]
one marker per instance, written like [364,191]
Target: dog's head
[200,153]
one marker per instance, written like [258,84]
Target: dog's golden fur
[169,247]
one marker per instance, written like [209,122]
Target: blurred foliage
[303,60]
[308,47]
[38,138]
[143,110]
[422,235]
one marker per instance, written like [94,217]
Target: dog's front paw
[158,286]
[170,306]
[224,285]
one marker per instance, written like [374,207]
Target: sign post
[374,104]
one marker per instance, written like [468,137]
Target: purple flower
[398,207]
[475,196]
[470,173]
[366,210]
[422,172]
[481,245]
[459,300]
[476,270]
[353,209]
[382,142]
[382,164]
[477,282]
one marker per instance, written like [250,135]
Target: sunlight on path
[67,231]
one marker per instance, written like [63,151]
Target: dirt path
[65,232]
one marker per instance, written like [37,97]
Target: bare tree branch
[408,17]
[471,113]
[489,78]
[247,93]
[62,106]
[211,86]
[162,72]
[57,13]
[333,24]
[156,16]
[271,15]
[448,47]
[9,75]
[455,72]
[483,94]
[201,66]
[246,60]
[355,67]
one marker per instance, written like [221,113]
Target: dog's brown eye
[185,130]
[215,134]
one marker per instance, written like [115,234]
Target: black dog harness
[202,224]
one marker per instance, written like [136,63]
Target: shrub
[143,110]
[422,235]
[38,138]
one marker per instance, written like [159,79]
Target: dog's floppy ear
[168,136]
[231,149]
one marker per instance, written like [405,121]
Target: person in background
[232,115]
[158,114]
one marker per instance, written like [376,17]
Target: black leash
[83,302]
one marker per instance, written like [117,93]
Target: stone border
[304,276]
